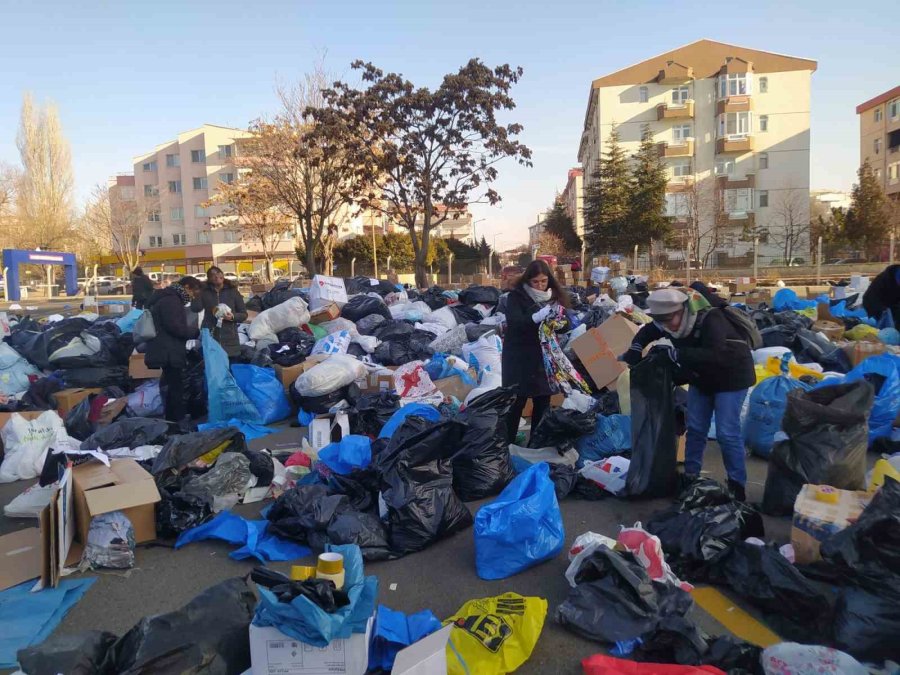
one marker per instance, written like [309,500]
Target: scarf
[694,303]
[182,293]
[561,374]
[540,297]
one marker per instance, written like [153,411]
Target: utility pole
[755,258]
[819,261]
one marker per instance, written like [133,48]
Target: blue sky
[128,75]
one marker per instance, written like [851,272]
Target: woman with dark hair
[222,324]
[141,288]
[167,349]
[527,305]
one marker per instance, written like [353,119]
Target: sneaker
[737,490]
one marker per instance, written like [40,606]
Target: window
[174,186]
[198,156]
[173,160]
[231,236]
[176,213]
[150,166]
[893,173]
[227,178]
[877,145]
[155,242]
[763,85]
[200,183]
[734,84]
[152,216]
[201,211]
[878,114]
[734,124]
[179,239]
[126,192]
[643,95]
[763,160]
[763,199]
[150,191]
[763,123]
[681,132]
[226,151]
[676,204]
[738,200]
[877,173]
[680,95]
[724,167]
[894,109]
[681,168]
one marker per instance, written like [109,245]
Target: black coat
[227,335]
[883,293]
[523,361]
[167,350]
[714,357]
[141,290]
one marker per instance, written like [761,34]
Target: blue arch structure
[12,258]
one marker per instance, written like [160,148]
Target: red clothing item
[600,664]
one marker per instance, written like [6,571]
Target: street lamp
[474,234]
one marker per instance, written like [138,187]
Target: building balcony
[735,143]
[667,111]
[680,149]
[736,183]
[680,183]
[742,219]
[734,104]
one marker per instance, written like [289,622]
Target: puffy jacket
[883,293]
[167,350]
[227,335]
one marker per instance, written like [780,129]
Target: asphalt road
[441,578]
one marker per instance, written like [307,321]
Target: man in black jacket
[219,291]
[710,354]
[167,349]
[141,288]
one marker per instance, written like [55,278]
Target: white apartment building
[573,196]
[732,124]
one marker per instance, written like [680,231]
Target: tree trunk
[270,275]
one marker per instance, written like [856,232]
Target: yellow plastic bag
[882,469]
[762,373]
[862,332]
[796,370]
[494,635]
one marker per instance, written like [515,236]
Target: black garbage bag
[608,403]
[77,423]
[40,394]
[370,323]
[383,287]
[101,357]
[475,331]
[763,319]
[103,376]
[372,411]
[465,314]
[564,478]
[303,510]
[254,304]
[128,433]
[363,529]
[653,444]
[360,487]
[394,352]
[322,404]
[38,346]
[867,623]
[615,599]
[195,396]
[357,284]
[826,445]
[184,449]
[483,467]
[778,336]
[434,297]
[815,347]
[793,320]
[393,329]
[361,306]
[281,292]
[480,295]
[416,484]
[211,634]
[178,512]
[676,639]
[261,466]
[561,428]
[320,592]
[75,654]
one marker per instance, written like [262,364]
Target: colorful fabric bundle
[561,374]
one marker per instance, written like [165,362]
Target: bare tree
[115,225]
[44,196]
[9,183]
[789,223]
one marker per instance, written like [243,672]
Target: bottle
[331,567]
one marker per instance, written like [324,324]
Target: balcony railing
[734,104]
[672,111]
[678,149]
[727,182]
[735,143]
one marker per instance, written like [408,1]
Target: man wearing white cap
[712,356]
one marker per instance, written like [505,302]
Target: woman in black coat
[141,288]
[527,305]
[219,291]
[167,349]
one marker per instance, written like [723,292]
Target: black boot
[685,480]
[737,491]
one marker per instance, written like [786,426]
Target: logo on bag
[490,630]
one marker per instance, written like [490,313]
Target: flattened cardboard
[428,656]
[599,348]
[138,370]
[58,532]
[20,557]
[274,653]
[329,312]
[454,386]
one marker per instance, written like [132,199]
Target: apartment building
[879,139]
[732,125]
[573,197]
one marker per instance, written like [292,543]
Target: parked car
[231,276]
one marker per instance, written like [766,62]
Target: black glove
[667,352]
[633,356]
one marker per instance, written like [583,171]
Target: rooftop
[878,100]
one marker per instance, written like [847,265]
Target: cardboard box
[329,312]
[58,533]
[428,656]
[815,520]
[455,386]
[555,401]
[681,445]
[759,295]
[138,370]
[327,429]
[859,351]
[738,287]
[258,289]
[285,442]
[326,289]
[66,399]
[274,653]
[20,557]
[599,348]
[378,381]
[289,374]
[123,486]
[112,308]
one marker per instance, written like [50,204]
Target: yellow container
[331,566]
[881,469]
[302,572]
[827,494]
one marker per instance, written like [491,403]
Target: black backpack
[745,326]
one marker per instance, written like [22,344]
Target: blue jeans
[727,406]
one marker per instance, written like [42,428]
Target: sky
[127,76]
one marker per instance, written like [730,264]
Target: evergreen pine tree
[559,223]
[606,199]
[867,223]
[647,201]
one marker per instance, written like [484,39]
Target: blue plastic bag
[438,367]
[613,435]
[304,620]
[429,412]
[126,323]
[394,631]
[249,429]
[787,299]
[887,399]
[226,400]
[521,528]
[767,403]
[256,541]
[351,452]
[264,389]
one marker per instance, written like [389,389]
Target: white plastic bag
[367,342]
[30,503]
[336,343]
[436,329]
[396,298]
[488,381]
[549,455]
[609,473]
[444,316]
[25,443]
[583,546]
[413,384]
[484,353]
[797,659]
[339,324]
[146,400]
[575,400]
[451,342]
[289,314]
[333,373]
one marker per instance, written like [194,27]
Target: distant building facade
[879,139]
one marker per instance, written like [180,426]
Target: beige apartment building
[732,124]
[879,139]
[573,197]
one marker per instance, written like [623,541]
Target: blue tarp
[395,631]
[28,618]
[251,534]
[249,429]
[787,299]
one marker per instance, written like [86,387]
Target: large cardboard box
[20,553]
[274,653]
[138,370]
[329,312]
[739,287]
[112,308]
[378,381]
[259,289]
[326,289]
[66,399]
[816,520]
[599,348]
[122,486]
